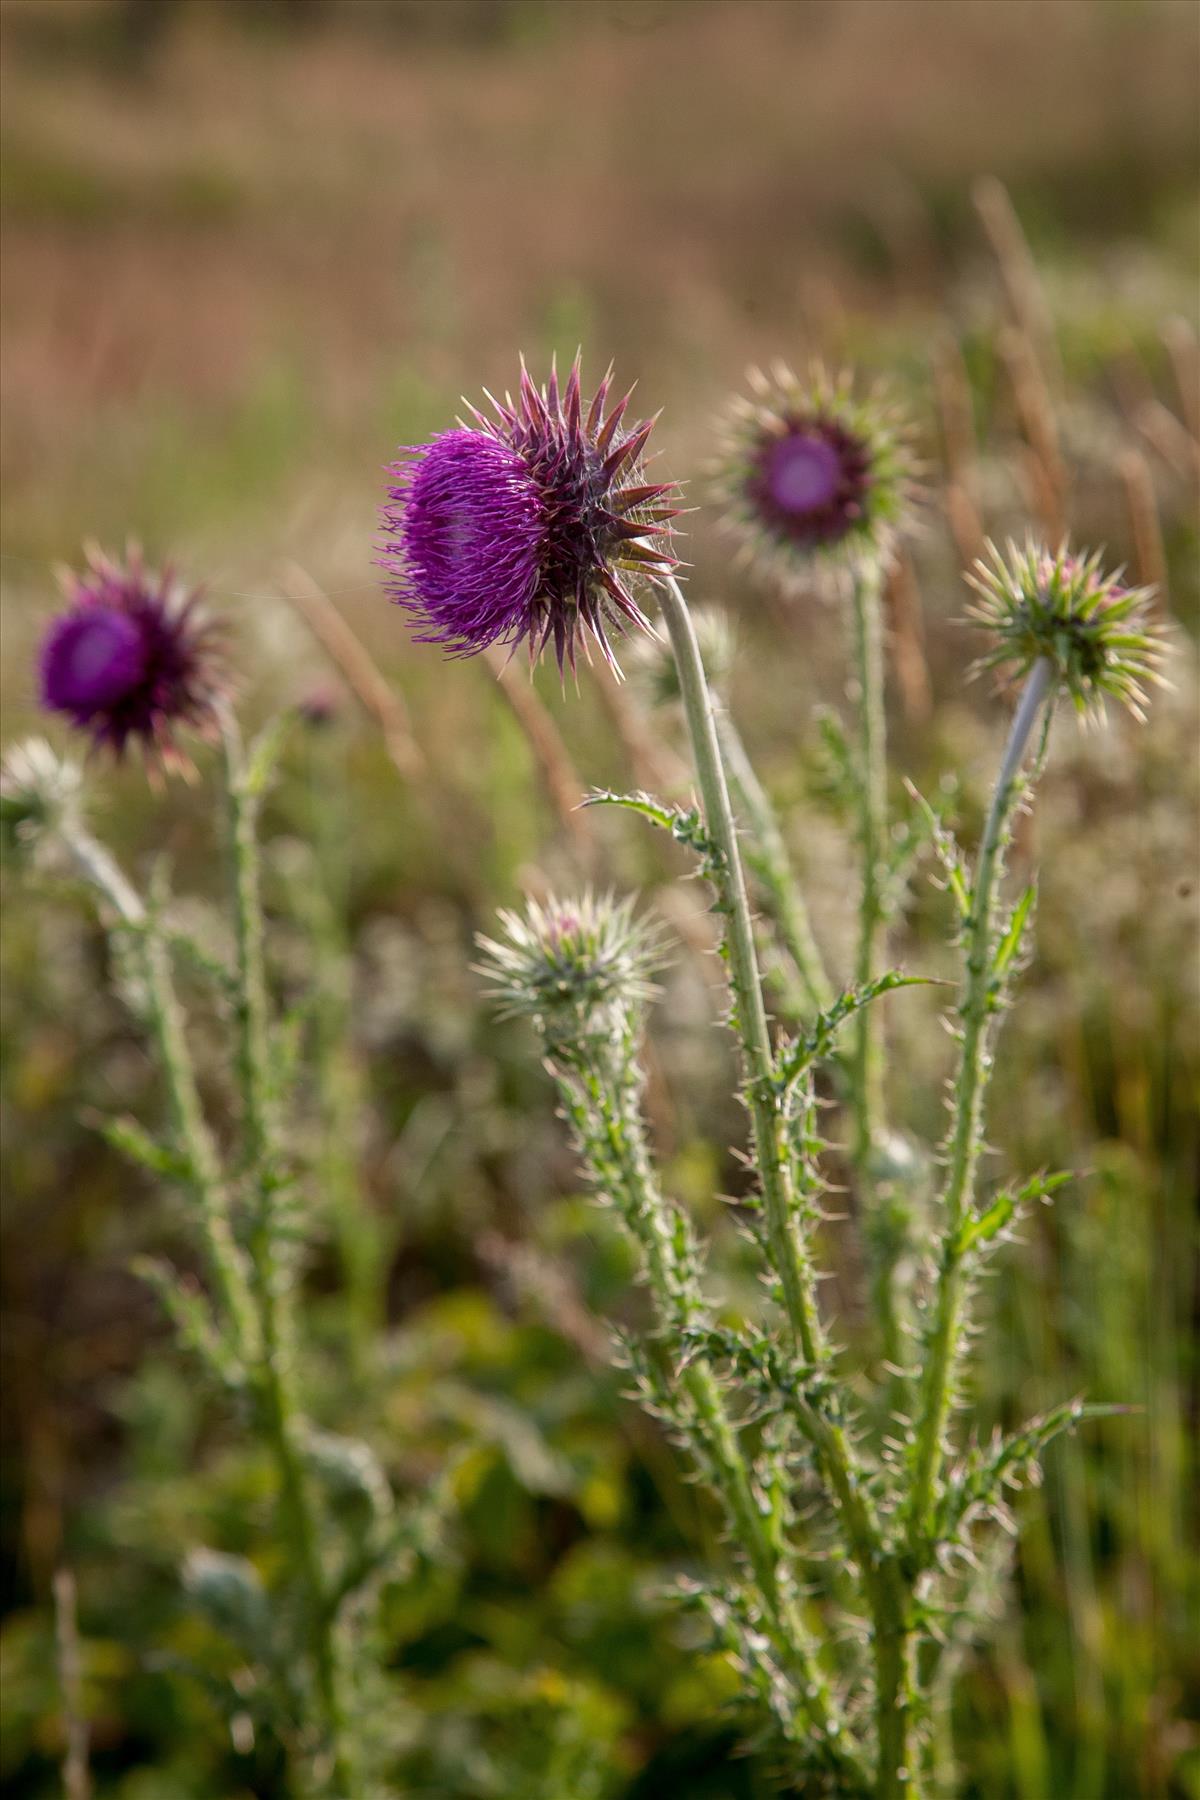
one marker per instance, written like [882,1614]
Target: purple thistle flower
[130,658]
[808,475]
[535,525]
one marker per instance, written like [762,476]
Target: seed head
[131,658]
[809,476]
[534,526]
[1060,605]
[570,964]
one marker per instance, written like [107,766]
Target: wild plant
[865,1516]
[858,1512]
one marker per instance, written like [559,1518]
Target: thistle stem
[769,861]
[789,1255]
[224,1258]
[611,1132]
[974,1068]
[865,585]
[749,1013]
[278,1406]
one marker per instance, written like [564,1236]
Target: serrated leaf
[1008,1205]
[817,1041]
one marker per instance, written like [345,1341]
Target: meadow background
[248,249]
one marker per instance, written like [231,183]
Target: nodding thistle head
[534,526]
[1061,606]
[810,477]
[131,658]
[40,797]
[572,965]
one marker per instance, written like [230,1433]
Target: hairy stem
[278,1406]
[789,1254]
[980,999]
[602,1101]
[222,1254]
[872,835]
[769,862]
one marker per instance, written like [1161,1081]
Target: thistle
[534,526]
[570,964]
[808,476]
[40,796]
[132,659]
[1094,631]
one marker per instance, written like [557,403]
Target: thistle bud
[575,967]
[652,663]
[1060,606]
[40,794]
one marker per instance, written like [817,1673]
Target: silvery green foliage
[863,1553]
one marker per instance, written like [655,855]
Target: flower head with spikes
[1061,606]
[569,964]
[131,658]
[534,526]
[809,476]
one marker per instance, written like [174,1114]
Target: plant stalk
[223,1256]
[279,1410]
[966,1137]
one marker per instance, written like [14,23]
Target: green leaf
[1010,943]
[687,827]
[1008,1205]
[263,754]
[128,1137]
[945,847]
[817,1041]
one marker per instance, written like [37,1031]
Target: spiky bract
[132,658]
[1061,605]
[567,963]
[810,477]
[534,526]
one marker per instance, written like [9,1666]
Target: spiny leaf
[985,1473]
[817,1041]
[1008,1205]
[686,826]
[1010,943]
[946,849]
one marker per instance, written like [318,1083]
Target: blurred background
[250,246]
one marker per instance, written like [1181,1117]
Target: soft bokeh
[251,248]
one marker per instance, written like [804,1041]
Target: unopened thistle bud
[535,526]
[653,667]
[40,795]
[572,966]
[811,478]
[131,658]
[1061,606]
